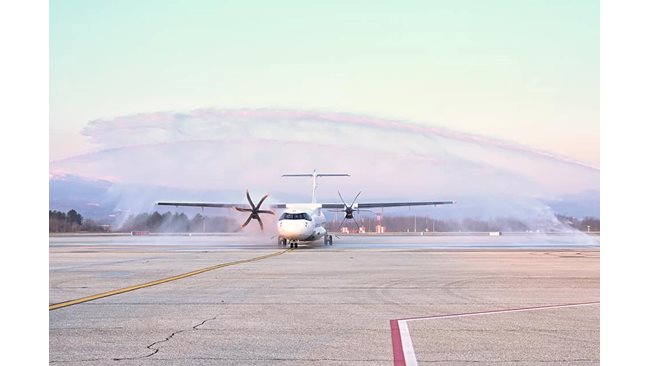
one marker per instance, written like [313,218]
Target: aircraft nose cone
[291,229]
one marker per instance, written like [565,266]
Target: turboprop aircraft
[303,222]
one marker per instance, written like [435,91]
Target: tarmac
[366,300]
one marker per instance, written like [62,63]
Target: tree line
[72,221]
[169,222]
[584,224]
[506,224]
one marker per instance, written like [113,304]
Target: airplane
[302,222]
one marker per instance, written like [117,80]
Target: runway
[325,305]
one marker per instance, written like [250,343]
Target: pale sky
[525,71]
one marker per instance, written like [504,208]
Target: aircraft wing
[403,204]
[215,204]
[324,205]
[387,204]
[252,208]
[203,204]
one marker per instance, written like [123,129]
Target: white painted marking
[407,343]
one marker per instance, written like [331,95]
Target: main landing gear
[282,241]
[327,239]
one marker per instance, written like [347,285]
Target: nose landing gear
[293,244]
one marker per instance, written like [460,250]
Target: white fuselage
[302,222]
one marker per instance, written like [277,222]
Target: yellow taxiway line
[158,282]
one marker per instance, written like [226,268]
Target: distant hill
[88,196]
[100,199]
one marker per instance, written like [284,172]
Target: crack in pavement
[155,350]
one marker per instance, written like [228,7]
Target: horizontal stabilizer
[317,175]
[313,176]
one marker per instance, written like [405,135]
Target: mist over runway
[406,241]
[216,154]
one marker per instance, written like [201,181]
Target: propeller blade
[250,201]
[355,221]
[342,222]
[342,200]
[247,221]
[355,198]
[254,210]
[261,201]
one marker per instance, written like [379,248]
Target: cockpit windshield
[295,216]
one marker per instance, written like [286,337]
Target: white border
[24,89]
[625,183]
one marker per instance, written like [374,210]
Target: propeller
[349,211]
[254,211]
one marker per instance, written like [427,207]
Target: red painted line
[501,311]
[398,352]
